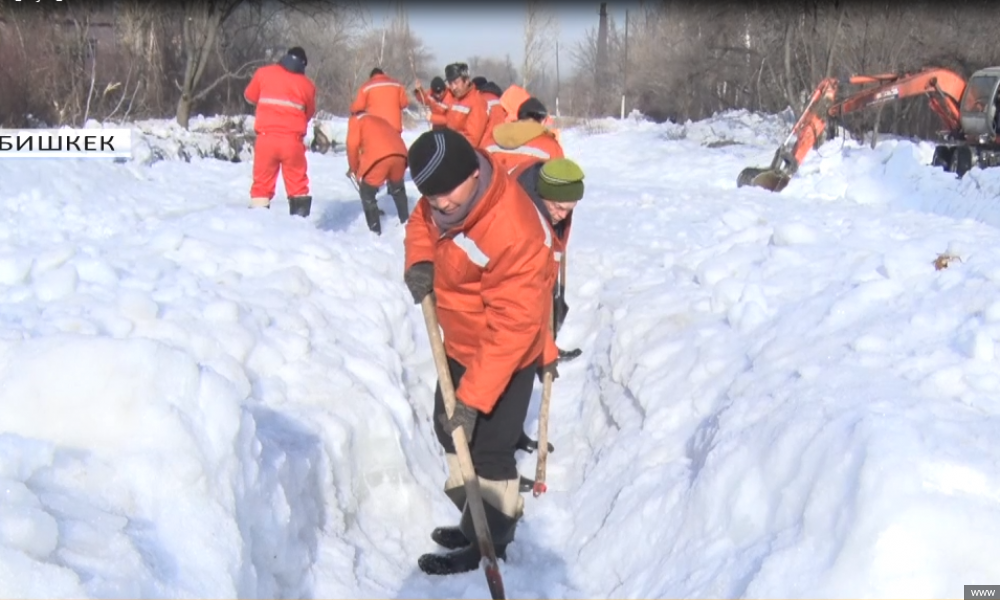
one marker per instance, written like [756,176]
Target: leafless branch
[93,79]
[244,70]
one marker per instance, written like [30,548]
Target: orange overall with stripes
[285,103]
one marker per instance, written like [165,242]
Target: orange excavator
[969,112]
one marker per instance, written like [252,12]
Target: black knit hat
[300,54]
[491,88]
[532,108]
[479,81]
[440,160]
[437,85]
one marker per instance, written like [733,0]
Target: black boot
[299,205]
[398,192]
[467,559]
[449,537]
[370,205]
[452,537]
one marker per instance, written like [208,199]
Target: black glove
[559,309]
[549,368]
[420,280]
[464,416]
[529,445]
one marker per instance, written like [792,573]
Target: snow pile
[222,138]
[897,173]
[783,397]
[723,129]
[739,127]
[195,393]
[119,456]
[231,138]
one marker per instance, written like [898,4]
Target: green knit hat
[560,180]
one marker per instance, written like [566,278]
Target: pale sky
[456,32]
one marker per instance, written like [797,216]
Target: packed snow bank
[227,138]
[723,129]
[231,138]
[897,174]
[119,457]
[199,399]
[782,397]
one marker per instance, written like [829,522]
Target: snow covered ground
[779,395]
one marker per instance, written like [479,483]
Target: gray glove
[529,445]
[420,280]
[549,368]
[464,416]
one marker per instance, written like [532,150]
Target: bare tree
[541,32]
[327,37]
[140,38]
[500,71]
[394,48]
[595,79]
[201,39]
[67,61]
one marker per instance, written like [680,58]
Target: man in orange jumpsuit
[526,140]
[555,186]
[467,114]
[479,244]
[512,99]
[376,155]
[382,96]
[438,101]
[495,111]
[285,99]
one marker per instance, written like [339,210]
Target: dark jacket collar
[292,64]
[528,180]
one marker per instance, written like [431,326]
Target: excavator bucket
[769,179]
[773,178]
[803,137]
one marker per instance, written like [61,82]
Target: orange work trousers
[389,169]
[273,151]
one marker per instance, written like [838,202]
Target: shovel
[543,411]
[473,493]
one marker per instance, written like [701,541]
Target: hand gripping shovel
[474,496]
[354,180]
[424,110]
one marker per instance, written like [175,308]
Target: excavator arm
[943,88]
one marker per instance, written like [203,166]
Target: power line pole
[601,71]
[625,67]
[557,78]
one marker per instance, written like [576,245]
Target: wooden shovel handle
[474,496]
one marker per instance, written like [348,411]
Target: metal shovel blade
[763,178]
